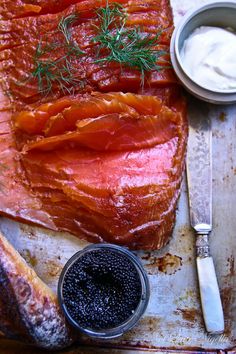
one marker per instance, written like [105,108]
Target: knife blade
[199,179]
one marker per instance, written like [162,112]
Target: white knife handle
[209,289]
[210,296]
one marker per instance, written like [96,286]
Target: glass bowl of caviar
[103,290]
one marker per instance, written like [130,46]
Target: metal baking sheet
[173,318]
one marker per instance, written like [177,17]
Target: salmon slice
[33,122]
[112,189]
[102,160]
[21,31]
[89,109]
[127,197]
[113,162]
[95,76]
[24,8]
[142,104]
[9,10]
[112,132]
[140,6]
[113,121]
[62,115]
[19,38]
[114,171]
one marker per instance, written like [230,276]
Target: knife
[199,177]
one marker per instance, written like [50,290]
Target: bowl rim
[131,321]
[216,96]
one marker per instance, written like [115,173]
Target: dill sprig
[61,71]
[64,27]
[129,47]
[65,24]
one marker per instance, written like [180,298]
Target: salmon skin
[106,162]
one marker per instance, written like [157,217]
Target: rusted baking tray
[173,320]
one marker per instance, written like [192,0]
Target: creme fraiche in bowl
[203,52]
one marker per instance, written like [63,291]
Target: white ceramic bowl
[218,14]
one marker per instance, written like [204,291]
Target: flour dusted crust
[29,310]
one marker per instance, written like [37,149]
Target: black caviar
[101,289]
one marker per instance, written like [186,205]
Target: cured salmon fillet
[113,162]
[104,163]
[24,8]
[19,38]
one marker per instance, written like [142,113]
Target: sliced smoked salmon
[117,165]
[21,37]
[105,161]
[92,140]
[104,122]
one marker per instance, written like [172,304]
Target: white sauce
[209,57]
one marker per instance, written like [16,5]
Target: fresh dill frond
[61,71]
[51,72]
[109,15]
[129,47]
[65,25]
